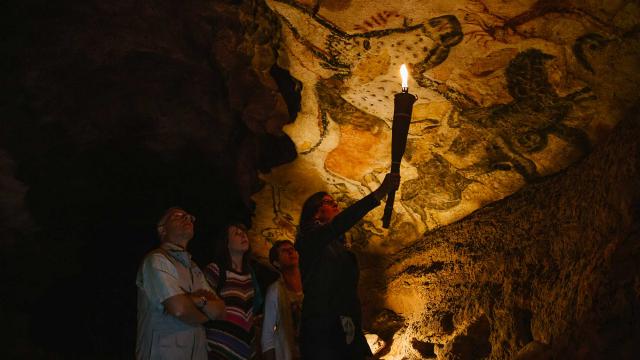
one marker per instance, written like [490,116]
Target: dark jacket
[329,270]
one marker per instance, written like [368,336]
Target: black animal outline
[335,49]
[523,125]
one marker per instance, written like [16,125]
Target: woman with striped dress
[232,337]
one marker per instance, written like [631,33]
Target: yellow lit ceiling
[508,92]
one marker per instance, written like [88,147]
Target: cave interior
[515,231]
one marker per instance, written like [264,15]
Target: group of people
[311,312]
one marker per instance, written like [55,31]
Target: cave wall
[508,93]
[549,272]
[116,111]
[121,109]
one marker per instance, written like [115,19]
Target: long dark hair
[222,258]
[309,210]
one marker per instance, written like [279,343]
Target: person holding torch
[331,315]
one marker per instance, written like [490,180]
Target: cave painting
[506,95]
[523,125]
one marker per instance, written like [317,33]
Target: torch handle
[388,209]
[391,196]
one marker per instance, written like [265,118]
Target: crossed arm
[160,281]
[192,309]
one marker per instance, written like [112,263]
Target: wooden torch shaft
[403,106]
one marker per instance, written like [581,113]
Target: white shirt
[166,272]
[279,328]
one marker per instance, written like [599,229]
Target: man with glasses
[174,298]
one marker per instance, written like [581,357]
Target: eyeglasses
[329,202]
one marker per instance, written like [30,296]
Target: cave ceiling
[508,92]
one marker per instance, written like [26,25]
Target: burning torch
[402,108]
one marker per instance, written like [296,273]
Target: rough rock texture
[549,272]
[508,92]
[116,111]
[160,75]
[119,109]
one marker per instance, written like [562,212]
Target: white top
[280,325]
[166,272]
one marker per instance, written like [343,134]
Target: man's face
[178,226]
[287,256]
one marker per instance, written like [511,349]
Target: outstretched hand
[390,183]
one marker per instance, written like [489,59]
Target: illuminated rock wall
[503,240]
[554,264]
[509,94]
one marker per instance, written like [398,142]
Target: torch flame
[405,77]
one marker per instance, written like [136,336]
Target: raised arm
[322,235]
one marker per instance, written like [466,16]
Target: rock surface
[118,110]
[515,232]
[496,237]
[507,94]
[549,272]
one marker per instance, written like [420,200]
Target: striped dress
[233,337]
